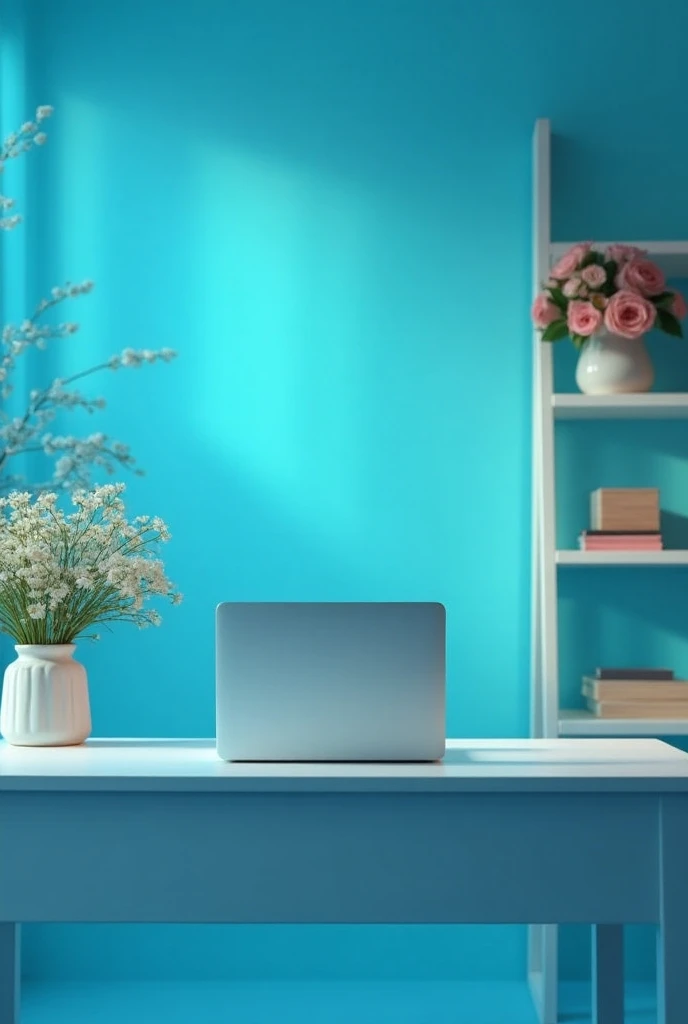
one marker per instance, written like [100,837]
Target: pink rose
[544,311]
[583,318]
[642,276]
[564,267]
[570,287]
[679,307]
[594,275]
[629,314]
[624,253]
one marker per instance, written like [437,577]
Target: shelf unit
[547,718]
[582,559]
[671,256]
[621,407]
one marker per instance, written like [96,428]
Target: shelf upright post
[542,938]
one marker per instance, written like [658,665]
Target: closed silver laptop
[332,681]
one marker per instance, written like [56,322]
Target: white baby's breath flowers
[64,572]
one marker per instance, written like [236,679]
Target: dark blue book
[634,673]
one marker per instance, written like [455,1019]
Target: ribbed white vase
[45,697]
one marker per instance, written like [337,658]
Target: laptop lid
[330,681]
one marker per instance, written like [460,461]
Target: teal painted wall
[325,206]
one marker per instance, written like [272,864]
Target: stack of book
[623,519]
[636,693]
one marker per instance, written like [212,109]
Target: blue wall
[325,207]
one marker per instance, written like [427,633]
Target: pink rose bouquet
[618,289]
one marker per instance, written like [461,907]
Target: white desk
[513,831]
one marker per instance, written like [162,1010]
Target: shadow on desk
[503,752]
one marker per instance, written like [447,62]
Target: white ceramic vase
[45,697]
[612,365]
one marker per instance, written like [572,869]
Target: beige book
[635,689]
[625,508]
[675,709]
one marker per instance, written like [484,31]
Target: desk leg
[607,974]
[9,973]
[542,970]
[672,934]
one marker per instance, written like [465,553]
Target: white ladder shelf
[547,718]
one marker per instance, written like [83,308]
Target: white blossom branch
[26,434]
[29,135]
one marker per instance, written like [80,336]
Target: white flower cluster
[130,357]
[61,574]
[30,134]
[77,456]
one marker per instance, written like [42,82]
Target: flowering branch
[77,456]
[29,135]
[26,434]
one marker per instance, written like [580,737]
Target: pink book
[646,543]
[640,546]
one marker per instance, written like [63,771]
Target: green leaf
[557,330]
[558,298]
[665,300]
[609,286]
[667,322]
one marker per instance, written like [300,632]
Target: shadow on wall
[621,617]
[621,453]
[312,441]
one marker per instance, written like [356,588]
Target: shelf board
[656,405]
[672,257]
[578,722]
[591,558]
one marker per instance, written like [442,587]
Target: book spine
[621,540]
[630,544]
[619,536]
[634,673]
[638,691]
[587,546]
[675,710]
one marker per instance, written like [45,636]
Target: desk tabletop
[192,765]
